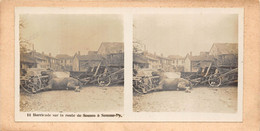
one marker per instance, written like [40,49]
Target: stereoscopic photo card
[128,64]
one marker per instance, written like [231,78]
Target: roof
[151,56]
[63,56]
[161,57]
[201,58]
[38,55]
[89,57]
[174,57]
[139,59]
[111,47]
[224,48]
[26,58]
[50,57]
[41,56]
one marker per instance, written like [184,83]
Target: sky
[179,34]
[69,33]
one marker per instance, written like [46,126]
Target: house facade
[177,63]
[35,59]
[220,54]
[153,61]
[65,62]
[226,54]
[83,62]
[194,63]
[165,63]
[40,59]
[140,61]
[108,54]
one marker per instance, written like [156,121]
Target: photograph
[71,62]
[128,64]
[185,62]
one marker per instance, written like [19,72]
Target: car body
[38,79]
[147,80]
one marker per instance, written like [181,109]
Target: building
[65,62]
[26,61]
[110,48]
[40,59]
[83,62]
[223,48]
[193,63]
[35,59]
[220,55]
[139,61]
[165,63]
[226,54]
[177,63]
[45,61]
[153,60]
[115,60]
[108,54]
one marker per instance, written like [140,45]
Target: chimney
[49,54]
[154,53]
[43,53]
[78,52]
[161,54]
[190,53]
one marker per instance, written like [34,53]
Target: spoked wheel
[32,85]
[142,86]
[214,81]
[104,80]
[24,86]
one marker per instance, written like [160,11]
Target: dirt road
[201,99]
[89,99]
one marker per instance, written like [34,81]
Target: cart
[213,76]
[223,78]
[100,75]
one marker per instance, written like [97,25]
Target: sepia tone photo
[186,104]
[185,63]
[128,64]
[71,63]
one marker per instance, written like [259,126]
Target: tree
[138,47]
[24,43]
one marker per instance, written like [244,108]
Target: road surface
[201,99]
[89,99]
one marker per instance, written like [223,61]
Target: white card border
[128,114]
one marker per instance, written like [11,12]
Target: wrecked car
[37,79]
[147,80]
